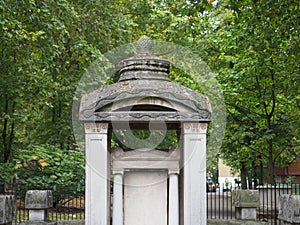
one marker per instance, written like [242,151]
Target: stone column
[194,174]
[246,202]
[118,198]
[173,199]
[7,209]
[97,190]
[289,209]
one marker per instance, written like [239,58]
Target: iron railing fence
[68,202]
[220,204]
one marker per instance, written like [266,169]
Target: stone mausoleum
[145,185]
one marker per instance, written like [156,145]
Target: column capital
[194,128]
[173,172]
[118,172]
[96,128]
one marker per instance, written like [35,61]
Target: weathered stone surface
[246,198]
[289,208]
[144,81]
[245,213]
[39,223]
[38,199]
[245,202]
[70,222]
[38,215]
[235,222]
[61,222]
[7,209]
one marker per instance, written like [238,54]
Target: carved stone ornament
[96,128]
[144,45]
[145,76]
[195,128]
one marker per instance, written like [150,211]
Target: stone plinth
[246,202]
[60,222]
[7,209]
[289,209]
[235,222]
[39,223]
[38,202]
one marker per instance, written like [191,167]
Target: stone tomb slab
[145,198]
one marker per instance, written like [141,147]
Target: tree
[259,48]
[253,46]
[45,47]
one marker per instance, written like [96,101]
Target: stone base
[60,222]
[234,222]
[38,215]
[245,213]
[39,223]
[288,223]
[70,222]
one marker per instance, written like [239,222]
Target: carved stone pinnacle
[144,45]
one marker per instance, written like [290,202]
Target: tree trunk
[244,176]
[271,165]
[2,188]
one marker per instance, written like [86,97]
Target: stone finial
[144,45]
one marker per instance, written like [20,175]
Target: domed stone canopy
[144,93]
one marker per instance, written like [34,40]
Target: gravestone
[289,209]
[38,202]
[246,203]
[149,185]
[7,209]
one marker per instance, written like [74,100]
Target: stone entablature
[146,159]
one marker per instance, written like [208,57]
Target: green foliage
[7,172]
[48,165]
[46,46]
[152,139]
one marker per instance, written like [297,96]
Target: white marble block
[145,198]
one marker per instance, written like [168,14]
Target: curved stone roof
[144,92]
